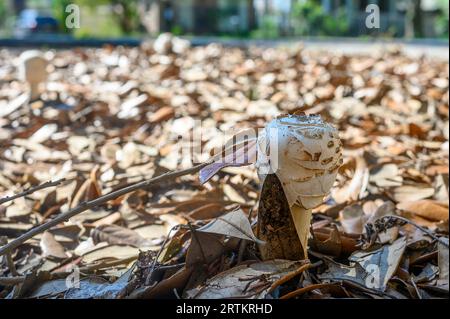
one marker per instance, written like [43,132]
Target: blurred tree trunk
[251,14]
[266,7]
[150,15]
[205,12]
[418,19]
[17,6]
[413,19]
[126,16]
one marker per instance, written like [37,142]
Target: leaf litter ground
[112,117]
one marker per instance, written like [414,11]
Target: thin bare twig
[31,190]
[8,257]
[97,202]
[407,221]
[155,261]
[11,281]
[303,290]
[289,276]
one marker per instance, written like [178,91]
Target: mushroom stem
[34,90]
[275,224]
[302,221]
[33,70]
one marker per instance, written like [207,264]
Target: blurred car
[32,21]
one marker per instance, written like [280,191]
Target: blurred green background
[256,19]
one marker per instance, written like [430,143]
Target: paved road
[432,48]
[414,50]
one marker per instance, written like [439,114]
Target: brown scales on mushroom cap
[305,162]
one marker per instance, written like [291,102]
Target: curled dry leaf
[234,224]
[110,252]
[391,234]
[244,281]
[426,208]
[50,247]
[203,249]
[381,264]
[113,234]
[353,219]
[372,269]
[387,175]
[98,288]
[408,193]
[354,189]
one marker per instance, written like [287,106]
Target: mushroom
[33,69]
[298,159]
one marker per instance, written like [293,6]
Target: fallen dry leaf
[234,224]
[426,208]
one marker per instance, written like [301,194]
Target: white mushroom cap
[33,66]
[305,154]
[33,69]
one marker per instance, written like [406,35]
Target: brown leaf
[163,114]
[50,247]
[110,252]
[113,234]
[204,249]
[232,283]
[208,211]
[354,189]
[436,170]
[426,208]
[352,219]
[165,288]
[330,246]
[234,224]
[407,193]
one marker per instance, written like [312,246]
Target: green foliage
[2,12]
[268,29]
[177,30]
[309,19]
[59,11]
[442,19]
[94,24]
[125,12]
